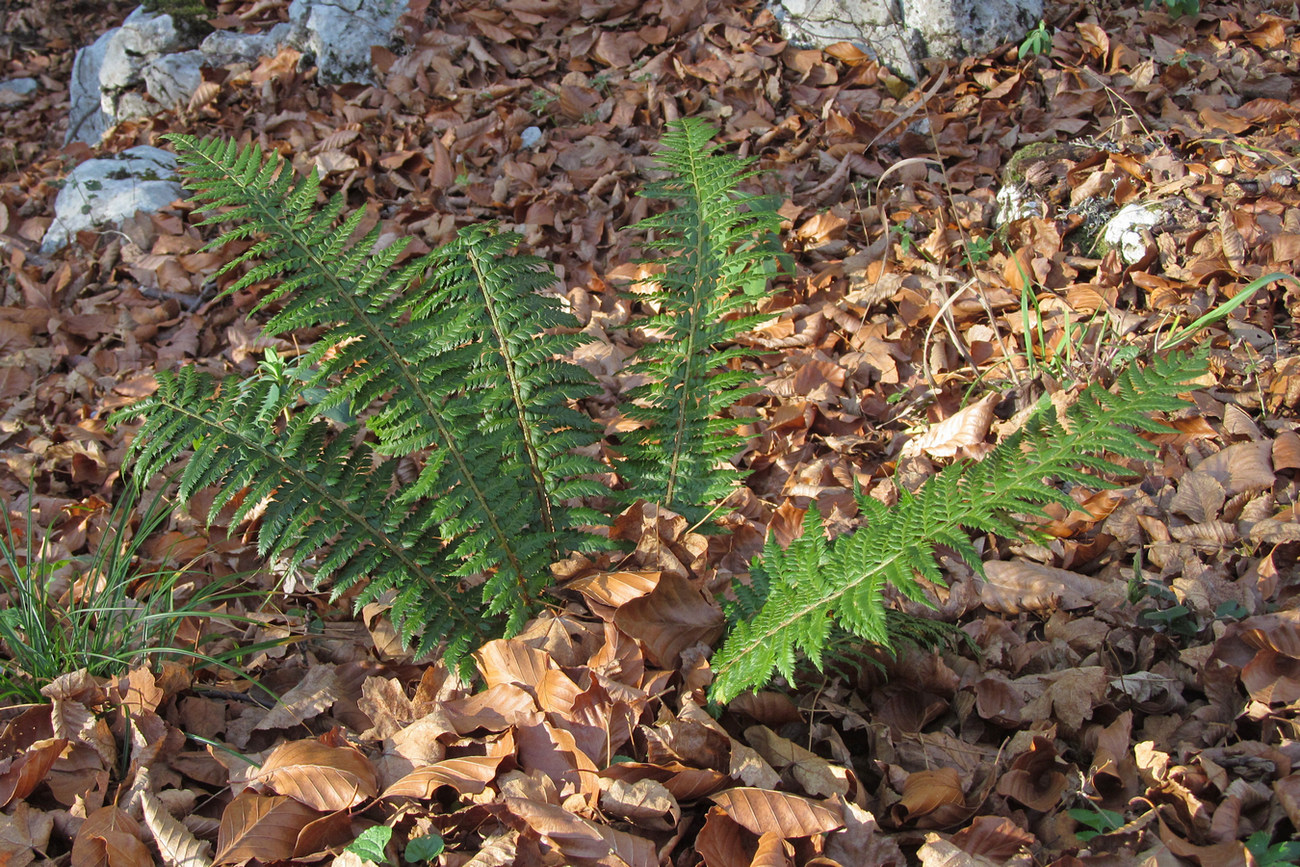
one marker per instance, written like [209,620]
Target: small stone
[530,136]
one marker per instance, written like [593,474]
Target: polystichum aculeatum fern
[799,594]
[714,243]
[455,358]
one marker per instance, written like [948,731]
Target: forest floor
[1134,670]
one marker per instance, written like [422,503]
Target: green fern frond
[314,489]
[800,593]
[452,356]
[715,242]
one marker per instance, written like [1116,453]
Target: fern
[452,357]
[799,594]
[718,242]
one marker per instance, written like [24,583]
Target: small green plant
[540,100]
[1099,821]
[115,614]
[1177,8]
[978,250]
[1270,854]
[1221,312]
[1037,41]
[372,845]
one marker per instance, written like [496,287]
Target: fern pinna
[798,594]
[452,356]
[719,244]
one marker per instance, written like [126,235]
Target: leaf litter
[1136,659]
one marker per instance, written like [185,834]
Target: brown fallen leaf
[326,778]
[762,810]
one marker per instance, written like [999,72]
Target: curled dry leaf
[1017,586]
[28,769]
[762,810]
[994,837]
[1036,778]
[468,776]
[323,777]
[932,794]
[963,429]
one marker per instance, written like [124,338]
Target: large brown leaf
[265,827]
[323,777]
[671,618]
[762,810]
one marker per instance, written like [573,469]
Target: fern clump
[454,357]
[718,246]
[798,595]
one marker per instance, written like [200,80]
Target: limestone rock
[103,71]
[103,192]
[902,33]
[340,33]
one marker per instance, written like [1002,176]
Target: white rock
[172,78]
[340,33]
[1014,203]
[530,136]
[87,121]
[901,33]
[1124,231]
[222,47]
[103,192]
[109,66]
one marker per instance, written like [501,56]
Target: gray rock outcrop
[101,193]
[902,33]
[143,66]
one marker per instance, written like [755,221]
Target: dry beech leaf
[178,846]
[580,841]
[1017,586]
[670,619]
[995,837]
[938,852]
[204,94]
[961,430]
[1286,451]
[324,777]
[29,769]
[613,589]
[925,792]
[762,810]
[265,827]
[815,775]
[646,803]
[468,776]
[1241,467]
[510,661]
[771,852]
[110,838]
[722,842]
[1036,778]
